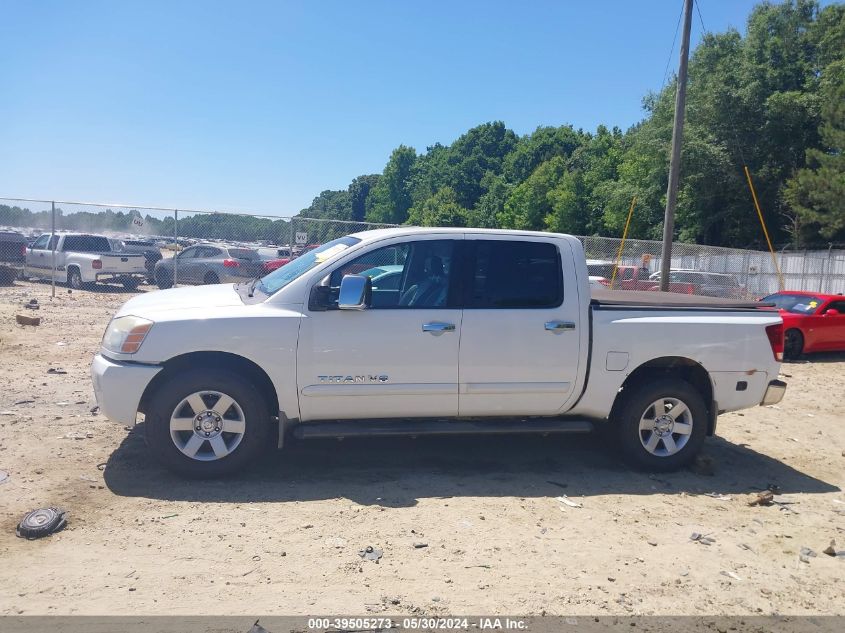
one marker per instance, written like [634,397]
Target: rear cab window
[509,274]
[86,244]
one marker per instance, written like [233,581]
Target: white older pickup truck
[80,259]
[413,331]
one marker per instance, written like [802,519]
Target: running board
[394,428]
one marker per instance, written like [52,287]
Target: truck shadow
[397,472]
[818,357]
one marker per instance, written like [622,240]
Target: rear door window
[244,253]
[511,274]
[87,244]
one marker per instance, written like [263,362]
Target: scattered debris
[370,553]
[717,495]
[765,498]
[32,304]
[830,550]
[25,401]
[806,554]
[41,522]
[774,488]
[22,319]
[746,546]
[95,410]
[568,502]
[4,476]
[170,516]
[56,370]
[101,466]
[731,574]
[702,538]
[8,412]
[257,628]
[420,545]
[652,543]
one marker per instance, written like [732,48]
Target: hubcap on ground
[207,425]
[665,427]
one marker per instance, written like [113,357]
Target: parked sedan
[812,322]
[209,264]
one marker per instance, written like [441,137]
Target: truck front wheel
[660,425]
[207,423]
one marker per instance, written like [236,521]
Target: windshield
[281,277]
[797,304]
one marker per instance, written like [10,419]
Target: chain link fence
[184,246]
[178,246]
[713,270]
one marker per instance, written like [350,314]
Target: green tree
[818,191]
[391,197]
[441,209]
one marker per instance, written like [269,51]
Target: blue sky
[261,105]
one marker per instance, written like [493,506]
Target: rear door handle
[559,326]
[438,328]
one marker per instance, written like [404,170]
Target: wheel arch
[681,367]
[215,360]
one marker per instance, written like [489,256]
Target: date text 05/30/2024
[419,624]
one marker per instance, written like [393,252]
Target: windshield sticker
[329,252]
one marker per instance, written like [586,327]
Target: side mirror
[832,312]
[355,292]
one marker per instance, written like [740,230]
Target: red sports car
[812,322]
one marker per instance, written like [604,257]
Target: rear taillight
[604,282]
[775,334]
[23,250]
[231,263]
[97,264]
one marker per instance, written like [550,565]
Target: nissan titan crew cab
[412,331]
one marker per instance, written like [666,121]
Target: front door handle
[559,326]
[438,328]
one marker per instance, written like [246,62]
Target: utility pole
[675,159]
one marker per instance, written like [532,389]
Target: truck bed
[668,300]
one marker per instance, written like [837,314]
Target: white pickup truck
[82,259]
[481,331]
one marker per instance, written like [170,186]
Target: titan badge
[347,380]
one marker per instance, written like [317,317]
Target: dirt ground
[284,538]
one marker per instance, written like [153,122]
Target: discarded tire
[41,522]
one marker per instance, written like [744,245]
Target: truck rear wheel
[207,423]
[660,425]
[74,278]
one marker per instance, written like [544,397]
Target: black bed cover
[649,299]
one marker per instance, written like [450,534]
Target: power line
[672,50]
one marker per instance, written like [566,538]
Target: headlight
[124,335]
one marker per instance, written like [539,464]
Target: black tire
[636,402]
[210,278]
[793,344]
[164,401]
[7,276]
[164,280]
[74,278]
[131,284]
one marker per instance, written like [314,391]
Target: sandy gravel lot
[284,539]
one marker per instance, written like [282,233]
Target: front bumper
[774,392]
[119,386]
